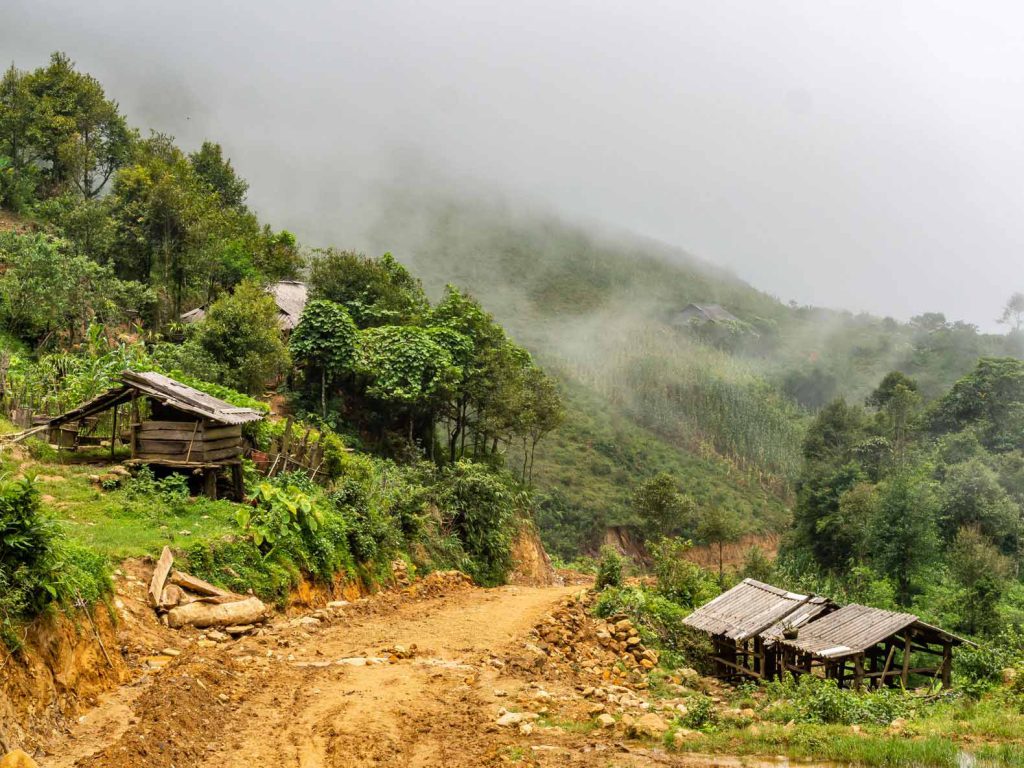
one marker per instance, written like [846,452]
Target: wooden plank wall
[188,442]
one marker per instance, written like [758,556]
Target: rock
[595,709]
[337,605]
[605,720]
[170,652]
[526,728]
[684,735]
[897,726]
[1009,676]
[217,636]
[650,725]
[239,629]
[17,759]
[689,676]
[747,713]
[515,718]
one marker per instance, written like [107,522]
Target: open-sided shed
[183,428]
[745,623]
[860,645]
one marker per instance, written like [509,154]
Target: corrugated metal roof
[291,297]
[814,607]
[851,629]
[167,391]
[746,610]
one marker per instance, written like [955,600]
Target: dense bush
[610,567]
[38,566]
[808,699]
[680,580]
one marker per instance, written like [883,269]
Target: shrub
[482,507]
[609,568]
[660,623]
[809,699]
[678,579]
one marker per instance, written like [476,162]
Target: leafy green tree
[989,400]
[542,412]
[242,334]
[982,574]
[662,509]
[896,399]
[905,533]
[374,291]
[216,170]
[324,342]
[81,136]
[163,215]
[19,141]
[719,526]
[971,497]
[406,368]
[47,290]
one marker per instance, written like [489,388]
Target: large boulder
[17,759]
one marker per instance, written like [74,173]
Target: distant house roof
[165,390]
[289,295]
[708,313]
[855,628]
[747,610]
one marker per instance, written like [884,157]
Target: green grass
[117,526]
[830,743]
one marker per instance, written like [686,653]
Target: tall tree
[323,342]
[1013,312]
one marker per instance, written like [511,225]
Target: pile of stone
[438,583]
[609,650]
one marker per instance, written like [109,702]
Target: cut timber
[163,567]
[173,595]
[193,584]
[201,615]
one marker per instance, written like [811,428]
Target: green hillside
[723,411]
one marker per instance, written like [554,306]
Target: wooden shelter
[183,429]
[746,622]
[858,645]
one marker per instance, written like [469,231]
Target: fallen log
[197,585]
[201,614]
[172,596]
[156,585]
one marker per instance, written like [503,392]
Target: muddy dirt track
[283,699]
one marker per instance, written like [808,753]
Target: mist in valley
[856,157]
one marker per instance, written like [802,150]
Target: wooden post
[858,671]
[195,429]
[210,483]
[947,663]
[113,433]
[237,483]
[908,641]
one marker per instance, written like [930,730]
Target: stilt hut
[745,623]
[167,424]
[861,646]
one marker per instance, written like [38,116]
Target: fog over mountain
[862,155]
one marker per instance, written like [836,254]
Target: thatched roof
[165,390]
[746,610]
[855,628]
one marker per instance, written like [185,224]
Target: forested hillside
[722,408]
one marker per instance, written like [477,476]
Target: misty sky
[867,155]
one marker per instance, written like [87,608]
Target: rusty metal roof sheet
[746,610]
[167,391]
[853,629]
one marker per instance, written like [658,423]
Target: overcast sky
[865,154]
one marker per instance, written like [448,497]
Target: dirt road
[313,693]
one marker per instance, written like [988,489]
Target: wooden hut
[857,645]
[183,428]
[745,623]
